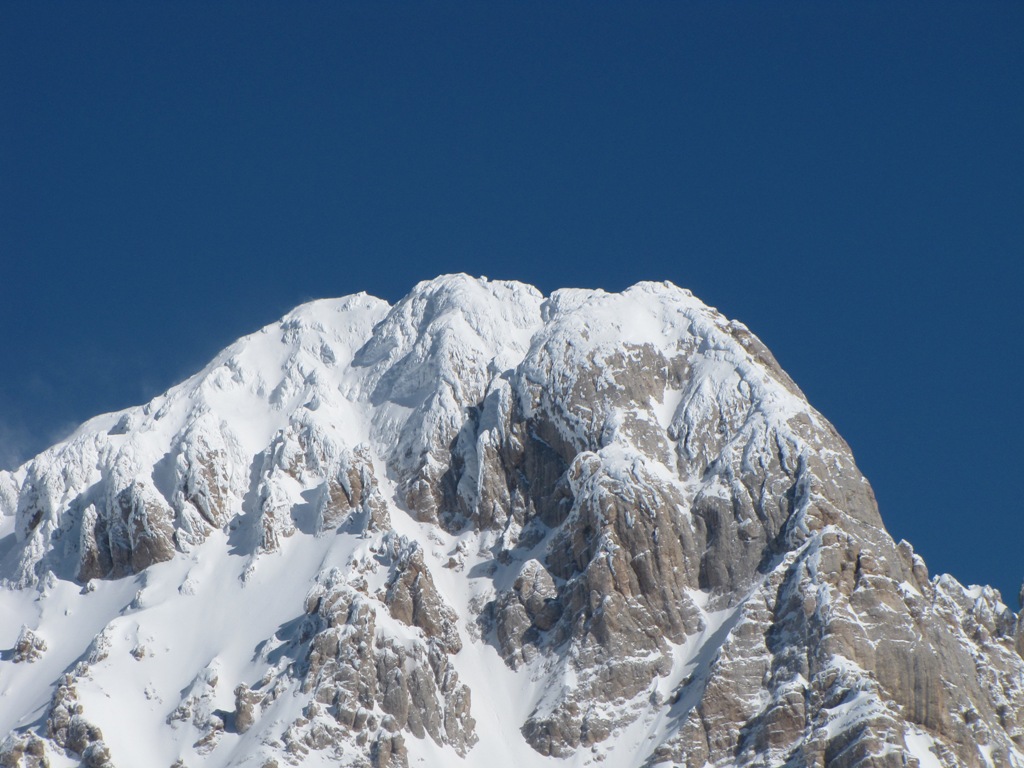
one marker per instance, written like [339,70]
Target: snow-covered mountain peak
[482,526]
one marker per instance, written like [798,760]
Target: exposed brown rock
[28,648]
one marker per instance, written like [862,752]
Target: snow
[281,412]
[920,745]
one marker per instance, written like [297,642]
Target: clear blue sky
[847,179]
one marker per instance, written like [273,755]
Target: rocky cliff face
[485,527]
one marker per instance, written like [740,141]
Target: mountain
[485,527]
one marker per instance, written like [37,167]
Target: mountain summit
[485,527]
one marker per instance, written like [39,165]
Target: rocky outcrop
[373,689]
[28,648]
[413,599]
[23,751]
[68,728]
[136,532]
[203,472]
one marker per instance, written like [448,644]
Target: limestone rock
[413,599]
[28,648]
[370,682]
[23,751]
[246,701]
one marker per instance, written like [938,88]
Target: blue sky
[847,179]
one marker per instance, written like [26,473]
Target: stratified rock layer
[485,527]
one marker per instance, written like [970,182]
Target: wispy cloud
[16,445]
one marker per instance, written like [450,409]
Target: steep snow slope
[484,527]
